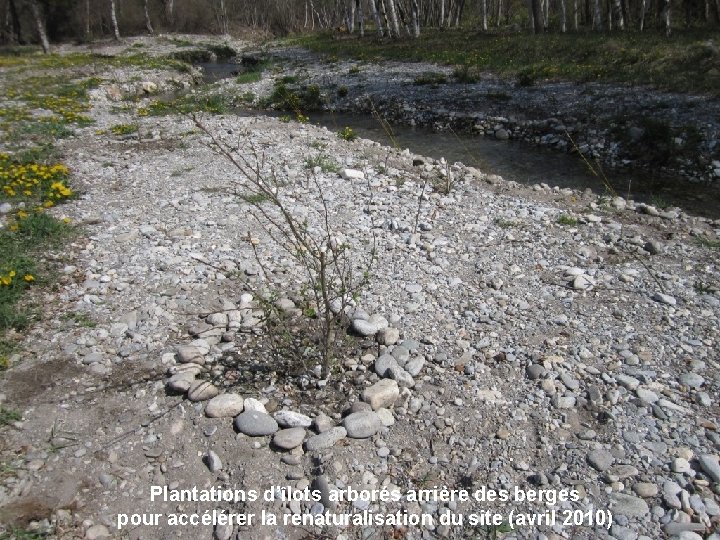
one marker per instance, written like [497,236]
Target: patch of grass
[79,318]
[505,223]
[297,99]
[248,77]
[8,416]
[566,220]
[710,243]
[254,198]
[342,91]
[354,70]
[690,61]
[347,134]
[465,74]
[430,78]
[124,129]
[189,103]
[326,163]
[658,202]
[23,534]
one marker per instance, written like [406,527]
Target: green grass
[710,243]
[430,78]
[23,534]
[254,198]
[326,163]
[20,253]
[79,318]
[567,220]
[347,134]
[190,103]
[8,416]
[686,62]
[124,129]
[248,77]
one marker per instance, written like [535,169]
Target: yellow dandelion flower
[28,278]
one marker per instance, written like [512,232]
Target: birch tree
[113,18]
[148,22]
[40,25]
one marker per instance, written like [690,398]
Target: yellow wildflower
[28,278]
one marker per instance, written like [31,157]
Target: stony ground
[510,336]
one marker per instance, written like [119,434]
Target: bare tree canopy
[47,21]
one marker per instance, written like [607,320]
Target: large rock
[326,439]
[383,393]
[287,439]
[292,419]
[189,353]
[364,328]
[628,505]
[255,424]
[363,424]
[201,391]
[710,466]
[224,406]
[384,363]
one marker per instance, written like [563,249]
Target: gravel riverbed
[510,338]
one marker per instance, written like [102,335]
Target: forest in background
[54,21]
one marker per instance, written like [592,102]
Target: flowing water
[516,160]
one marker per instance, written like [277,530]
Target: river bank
[509,336]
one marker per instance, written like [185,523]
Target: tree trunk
[394,18]
[666,17]
[415,19]
[384,14]
[113,18]
[620,17]
[597,16]
[351,17]
[442,13]
[87,19]
[576,13]
[483,7]
[537,18]
[717,11]
[169,11]
[643,10]
[148,22]
[15,22]
[563,17]
[361,17]
[499,13]
[546,14]
[376,16]
[40,25]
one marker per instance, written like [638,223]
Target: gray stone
[290,438]
[645,489]
[364,328]
[664,299]
[383,364]
[363,424]
[322,422]
[710,466]
[189,353]
[255,424]
[403,378]
[383,393]
[680,465]
[502,134]
[252,404]
[212,460]
[388,336]
[628,505]
[292,419]
[223,531]
[601,460]
[693,380]
[583,282]
[535,371]
[224,406]
[326,439]
[415,366]
[97,532]
[202,390]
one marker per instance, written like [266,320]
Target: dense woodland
[48,21]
